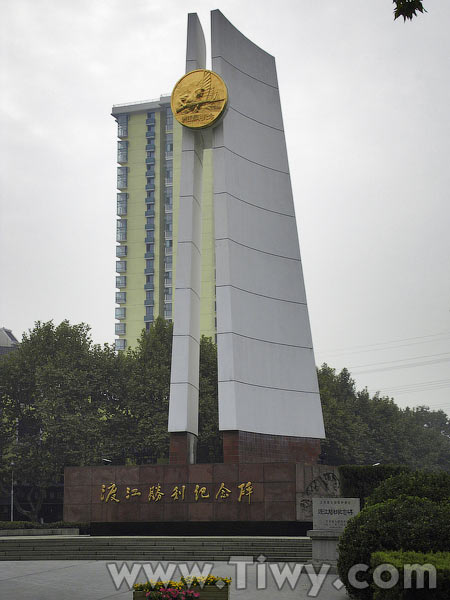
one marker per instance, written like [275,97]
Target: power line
[396,367]
[389,362]
[372,347]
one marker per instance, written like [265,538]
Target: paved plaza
[90,580]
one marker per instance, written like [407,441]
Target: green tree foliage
[432,485]
[407,9]
[405,523]
[50,394]
[361,429]
[209,447]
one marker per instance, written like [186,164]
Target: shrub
[441,562]
[432,485]
[83,527]
[19,525]
[360,481]
[406,523]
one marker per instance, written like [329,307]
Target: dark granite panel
[225,473]
[77,513]
[276,492]
[279,472]
[199,473]
[77,476]
[77,494]
[279,511]
[127,475]
[200,512]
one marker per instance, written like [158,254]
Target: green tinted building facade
[148,176]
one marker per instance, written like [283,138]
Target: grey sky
[366,111]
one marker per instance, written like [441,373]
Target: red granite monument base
[251,492]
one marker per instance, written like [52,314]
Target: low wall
[265,492]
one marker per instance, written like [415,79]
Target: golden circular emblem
[199,99]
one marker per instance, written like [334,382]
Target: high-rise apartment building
[148,184]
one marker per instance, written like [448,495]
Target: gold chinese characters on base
[199,99]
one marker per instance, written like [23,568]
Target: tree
[145,403]
[50,409]
[209,447]
[407,9]
[361,429]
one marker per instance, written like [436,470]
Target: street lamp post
[12,491]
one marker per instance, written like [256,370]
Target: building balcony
[150,146]
[150,212]
[150,134]
[149,302]
[149,255]
[150,161]
[149,271]
[148,319]
[147,286]
[150,186]
[150,121]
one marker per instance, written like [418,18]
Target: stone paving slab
[90,580]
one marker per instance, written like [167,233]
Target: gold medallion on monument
[199,99]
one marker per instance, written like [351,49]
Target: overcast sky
[366,104]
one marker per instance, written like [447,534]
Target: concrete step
[154,548]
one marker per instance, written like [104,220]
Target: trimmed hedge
[360,481]
[440,560]
[408,523]
[424,484]
[83,527]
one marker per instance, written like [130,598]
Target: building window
[150,183]
[149,267]
[168,246]
[121,281]
[150,118]
[168,261]
[169,173]
[122,177]
[168,198]
[120,328]
[150,196]
[168,294]
[169,119]
[120,344]
[168,278]
[121,230]
[150,224]
[120,312]
[122,203]
[169,145]
[121,266]
[121,297]
[150,130]
[149,312]
[150,172]
[168,310]
[149,298]
[122,125]
[121,251]
[122,151]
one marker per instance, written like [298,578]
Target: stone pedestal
[324,546]
[248,447]
[183,448]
